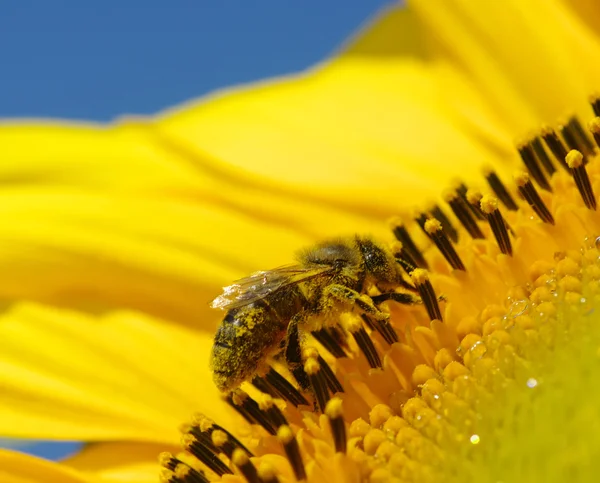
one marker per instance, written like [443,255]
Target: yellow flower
[494,382]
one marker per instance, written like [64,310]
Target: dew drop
[517,308]
[475,439]
[531,383]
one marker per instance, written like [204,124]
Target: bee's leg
[362,302]
[293,353]
[401,298]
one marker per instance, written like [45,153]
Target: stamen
[204,453]
[434,229]
[528,157]
[594,127]
[284,388]
[595,102]
[273,412]
[464,214]
[383,327]
[241,460]
[438,214]
[474,198]
[403,257]
[421,280]
[215,437]
[532,197]
[572,140]
[582,137]
[500,190]
[555,145]
[331,340]
[542,155]
[364,342]
[575,161]
[333,383]
[267,473]
[292,450]
[250,410]
[336,420]
[318,382]
[463,192]
[402,235]
[176,471]
[489,205]
[263,386]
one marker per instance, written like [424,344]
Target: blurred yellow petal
[119,462]
[119,376]
[22,468]
[534,61]
[588,11]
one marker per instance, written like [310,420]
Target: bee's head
[379,263]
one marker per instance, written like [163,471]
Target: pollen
[495,369]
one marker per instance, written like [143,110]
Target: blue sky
[98,60]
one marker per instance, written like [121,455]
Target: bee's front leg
[364,304]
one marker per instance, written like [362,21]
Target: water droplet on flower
[531,383]
[597,243]
[475,439]
[517,308]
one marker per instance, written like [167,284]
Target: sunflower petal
[120,376]
[22,468]
[529,82]
[120,462]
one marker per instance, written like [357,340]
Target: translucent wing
[260,284]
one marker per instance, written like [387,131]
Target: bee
[270,312]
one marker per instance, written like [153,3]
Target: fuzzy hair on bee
[270,313]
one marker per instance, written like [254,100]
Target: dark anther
[333,382]
[438,214]
[530,161]
[318,382]
[434,229]
[205,454]
[336,420]
[555,145]
[595,103]
[533,198]
[582,137]
[489,205]
[421,280]
[330,339]
[292,450]
[383,327]
[463,191]
[403,257]
[365,344]
[242,461]
[284,388]
[250,410]
[402,235]
[465,215]
[542,155]
[263,386]
[180,472]
[273,412]
[572,140]
[594,126]
[575,161]
[500,190]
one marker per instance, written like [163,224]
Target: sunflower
[491,379]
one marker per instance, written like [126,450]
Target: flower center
[480,382]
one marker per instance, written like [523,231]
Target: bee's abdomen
[242,342]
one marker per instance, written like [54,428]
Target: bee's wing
[260,284]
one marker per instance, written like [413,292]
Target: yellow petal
[119,376]
[22,468]
[119,462]
[166,257]
[588,12]
[361,133]
[532,60]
